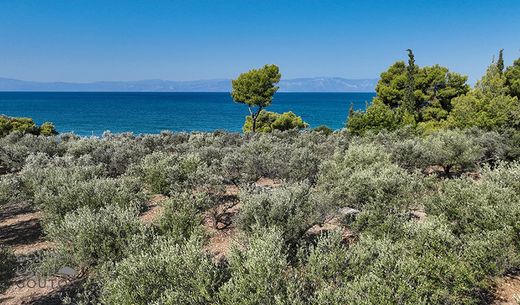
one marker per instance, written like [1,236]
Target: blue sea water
[92,113]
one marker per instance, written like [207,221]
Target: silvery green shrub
[41,170]
[181,217]
[259,271]
[166,273]
[364,178]
[91,237]
[453,149]
[475,206]
[169,174]
[7,267]
[422,267]
[115,152]
[292,209]
[10,188]
[16,147]
[58,198]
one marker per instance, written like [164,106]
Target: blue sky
[187,40]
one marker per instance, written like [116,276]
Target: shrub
[291,209]
[473,207]
[115,152]
[182,217]
[423,267]
[57,199]
[7,267]
[364,178]
[377,117]
[88,238]
[168,273]
[259,270]
[323,129]
[10,187]
[451,148]
[24,125]
[16,147]
[326,264]
[268,121]
[172,174]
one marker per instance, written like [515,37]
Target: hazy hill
[316,84]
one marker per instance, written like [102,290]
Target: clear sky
[77,40]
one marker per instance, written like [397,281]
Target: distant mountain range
[315,84]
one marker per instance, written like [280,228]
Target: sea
[92,113]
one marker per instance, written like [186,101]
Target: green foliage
[512,75]
[24,125]
[48,129]
[269,121]
[451,148]
[259,270]
[181,217]
[168,273]
[430,84]
[256,88]
[377,117]
[488,106]
[499,113]
[323,129]
[88,238]
[364,178]
[408,95]
[170,174]
[291,209]
[10,188]
[7,267]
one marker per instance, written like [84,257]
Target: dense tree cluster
[24,125]
[433,98]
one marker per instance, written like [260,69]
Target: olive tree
[256,88]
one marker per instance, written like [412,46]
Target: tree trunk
[447,170]
[254,116]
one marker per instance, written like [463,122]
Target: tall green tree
[435,86]
[409,98]
[489,105]
[512,75]
[256,89]
[500,62]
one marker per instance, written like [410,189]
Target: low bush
[473,207]
[7,267]
[57,199]
[16,147]
[167,273]
[182,217]
[89,238]
[259,271]
[171,174]
[291,209]
[10,188]
[364,178]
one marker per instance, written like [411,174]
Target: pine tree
[500,62]
[409,98]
